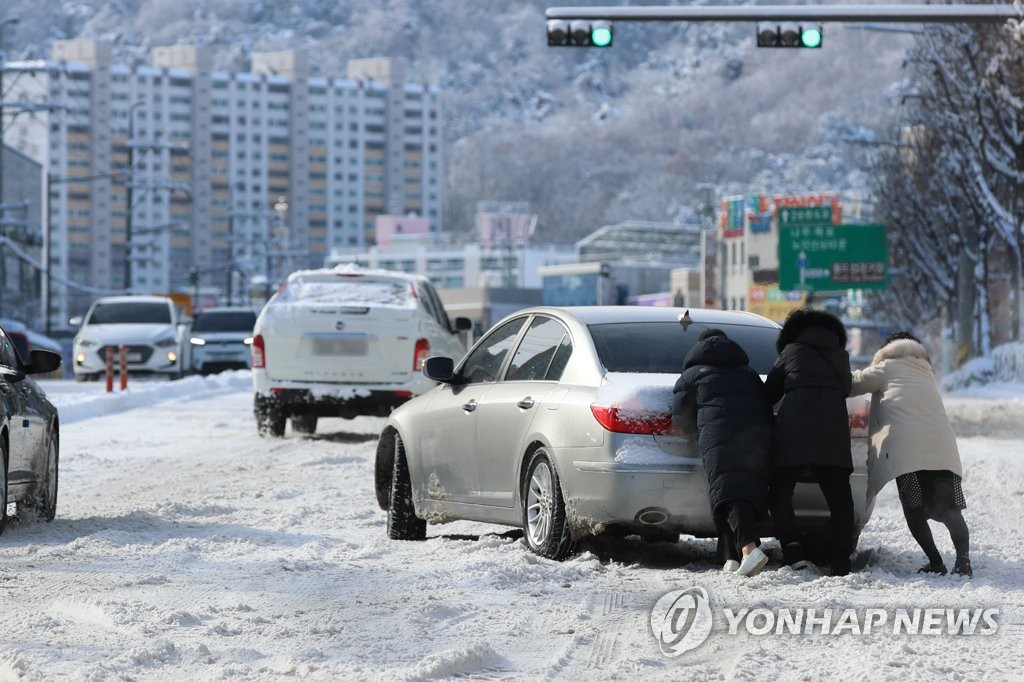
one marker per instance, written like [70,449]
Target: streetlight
[131,181]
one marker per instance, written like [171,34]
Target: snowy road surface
[186,547]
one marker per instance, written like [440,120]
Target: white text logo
[681,620]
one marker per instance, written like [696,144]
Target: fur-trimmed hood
[901,348]
[806,320]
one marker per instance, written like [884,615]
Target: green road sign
[825,257]
[805,215]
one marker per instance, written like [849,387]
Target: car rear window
[661,347]
[349,291]
[130,312]
[234,321]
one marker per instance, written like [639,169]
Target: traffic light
[579,33]
[789,35]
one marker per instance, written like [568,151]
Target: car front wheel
[403,524]
[42,504]
[545,525]
[3,487]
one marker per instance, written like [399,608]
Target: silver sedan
[558,421]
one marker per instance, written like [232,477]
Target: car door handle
[470,406]
[527,402]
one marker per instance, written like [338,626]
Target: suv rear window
[661,347]
[350,291]
[130,312]
[233,321]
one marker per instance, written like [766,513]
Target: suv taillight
[620,420]
[420,354]
[259,352]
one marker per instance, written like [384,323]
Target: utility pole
[128,192]
[154,145]
[3,60]
[44,293]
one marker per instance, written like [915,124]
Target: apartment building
[233,175]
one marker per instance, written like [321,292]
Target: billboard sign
[772,302]
[826,257]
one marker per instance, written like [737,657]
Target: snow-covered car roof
[353,270]
[135,298]
[621,313]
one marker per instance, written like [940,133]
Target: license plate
[340,345]
[133,357]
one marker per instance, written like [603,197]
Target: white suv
[345,342]
[149,327]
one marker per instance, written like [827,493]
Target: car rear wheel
[403,524]
[544,518]
[270,421]
[42,504]
[304,423]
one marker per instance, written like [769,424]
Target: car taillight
[420,354]
[859,419]
[259,352]
[633,421]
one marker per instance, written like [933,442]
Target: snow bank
[77,402]
[1005,366]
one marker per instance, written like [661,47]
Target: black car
[29,434]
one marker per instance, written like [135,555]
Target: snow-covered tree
[952,187]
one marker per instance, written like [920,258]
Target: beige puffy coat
[908,429]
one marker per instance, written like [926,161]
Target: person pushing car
[722,400]
[812,378]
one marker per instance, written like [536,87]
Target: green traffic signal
[811,37]
[579,33]
[601,34]
[789,35]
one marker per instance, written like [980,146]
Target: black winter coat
[812,378]
[721,399]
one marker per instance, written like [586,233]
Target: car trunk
[341,343]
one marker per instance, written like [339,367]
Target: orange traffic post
[123,369]
[110,369]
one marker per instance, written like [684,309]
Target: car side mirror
[439,368]
[463,324]
[43,362]
[75,321]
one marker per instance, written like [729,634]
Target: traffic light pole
[843,13]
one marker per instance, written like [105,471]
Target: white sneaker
[752,563]
[731,566]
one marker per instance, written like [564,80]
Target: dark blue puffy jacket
[721,399]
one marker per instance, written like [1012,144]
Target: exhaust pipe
[653,516]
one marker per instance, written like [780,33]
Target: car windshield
[131,312]
[661,347]
[349,291]
[234,321]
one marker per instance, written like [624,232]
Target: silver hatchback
[558,421]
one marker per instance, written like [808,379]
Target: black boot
[793,556]
[934,567]
[963,567]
